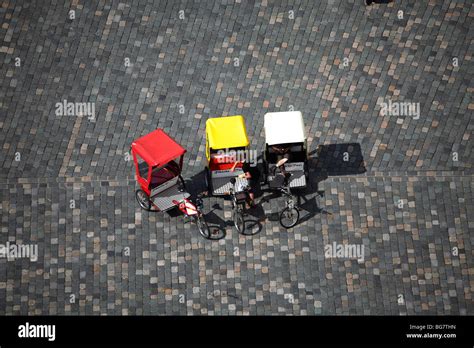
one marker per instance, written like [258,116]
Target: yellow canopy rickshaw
[225,133]
[225,137]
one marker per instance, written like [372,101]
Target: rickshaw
[226,142]
[158,162]
[285,150]
[285,159]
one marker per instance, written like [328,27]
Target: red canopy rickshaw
[158,162]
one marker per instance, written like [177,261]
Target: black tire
[202,227]
[143,200]
[238,218]
[182,184]
[289,217]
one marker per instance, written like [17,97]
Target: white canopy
[284,127]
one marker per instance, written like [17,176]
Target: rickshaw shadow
[215,223]
[309,206]
[174,213]
[338,160]
[331,160]
[194,185]
[253,220]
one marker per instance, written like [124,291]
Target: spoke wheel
[143,200]
[289,217]
[239,222]
[202,227]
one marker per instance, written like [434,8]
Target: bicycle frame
[189,209]
[290,203]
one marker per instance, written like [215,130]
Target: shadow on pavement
[338,160]
[254,217]
[215,223]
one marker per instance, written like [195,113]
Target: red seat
[164,174]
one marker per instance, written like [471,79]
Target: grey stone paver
[283,63]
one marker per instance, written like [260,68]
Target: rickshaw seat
[160,178]
[296,152]
[165,174]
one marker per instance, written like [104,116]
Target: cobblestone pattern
[190,62]
[282,62]
[407,251]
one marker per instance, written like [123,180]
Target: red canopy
[157,148]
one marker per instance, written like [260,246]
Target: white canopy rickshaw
[285,145]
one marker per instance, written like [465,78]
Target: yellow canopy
[226,132]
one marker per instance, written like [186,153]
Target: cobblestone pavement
[405,194]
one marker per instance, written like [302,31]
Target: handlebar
[232,190]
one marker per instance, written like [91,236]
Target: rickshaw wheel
[143,200]
[239,222]
[202,227]
[289,217]
[183,185]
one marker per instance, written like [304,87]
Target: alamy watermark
[232,156]
[66,108]
[12,251]
[37,331]
[344,251]
[400,109]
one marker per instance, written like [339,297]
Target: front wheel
[143,200]
[289,217]
[202,227]
[239,222]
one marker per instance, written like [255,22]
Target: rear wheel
[182,185]
[143,200]
[289,217]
